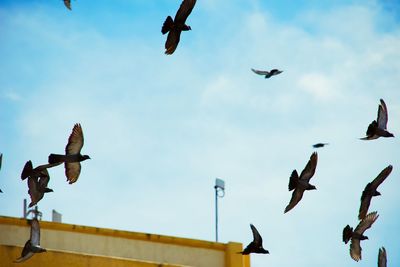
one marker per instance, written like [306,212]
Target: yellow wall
[90,245]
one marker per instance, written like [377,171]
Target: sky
[159,129]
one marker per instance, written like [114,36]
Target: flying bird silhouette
[38,179]
[67,3]
[73,156]
[177,25]
[255,246]
[267,74]
[382,260]
[371,191]
[318,145]
[358,234]
[300,184]
[377,128]
[32,246]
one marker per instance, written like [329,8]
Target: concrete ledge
[65,259]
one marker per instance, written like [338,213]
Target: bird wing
[355,249]
[260,72]
[257,239]
[293,180]
[184,11]
[365,202]
[75,140]
[72,171]
[44,167]
[1,159]
[27,170]
[382,115]
[366,222]
[35,233]
[382,257]
[67,3]
[309,170]
[43,182]
[381,177]
[296,197]
[26,253]
[33,190]
[173,38]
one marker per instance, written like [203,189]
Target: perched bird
[256,245]
[300,184]
[318,145]
[371,191]
[38,179]
[377,128]
[177,25]
[268,74]
[358,234]
[72,157]
[67,3]
[32,246]
[382,260]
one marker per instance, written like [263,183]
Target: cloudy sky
[160,129]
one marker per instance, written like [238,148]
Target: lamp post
[219,192]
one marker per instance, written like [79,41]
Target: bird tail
[26,172]
[293,180]
[55,158]
[167,26]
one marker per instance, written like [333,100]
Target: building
[78,246]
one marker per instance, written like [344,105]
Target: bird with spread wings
[174,27]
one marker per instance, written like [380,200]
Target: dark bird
[67,3]
[318,145]
[38,179]
[72,157]
[256,245]
[177,25]
[377,128]
[371,191]
[382,260]
[358,234]
[268,74]
[300,184]
[32,246]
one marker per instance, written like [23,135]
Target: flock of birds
[38,178]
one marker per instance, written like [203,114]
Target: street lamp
[219,192]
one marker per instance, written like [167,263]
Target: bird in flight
[67,4]
[371,191]
[382,260]
[358,234]
[267,74]
[377,128]
[255,246]
[32,246]
[73,156]
[38,179]
[318,145]
[300,184]
[175,26]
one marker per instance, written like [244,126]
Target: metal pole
[216,213]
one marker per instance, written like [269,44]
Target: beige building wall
[90,244]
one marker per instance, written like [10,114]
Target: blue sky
[159,128]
